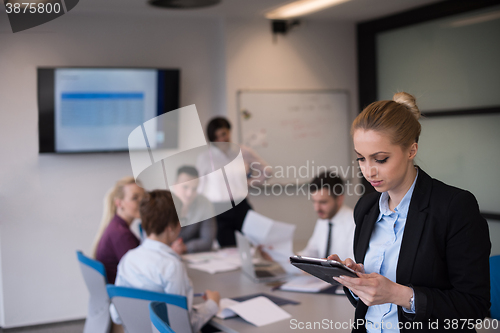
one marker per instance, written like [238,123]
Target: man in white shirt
[334,230]
[155,266]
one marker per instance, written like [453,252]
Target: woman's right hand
[359,268]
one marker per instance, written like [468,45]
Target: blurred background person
[198,233]
[334,230]
[155,266]
[222,153]
[114,238]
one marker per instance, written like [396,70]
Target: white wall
[51,205]
[315,55]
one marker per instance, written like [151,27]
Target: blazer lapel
[414,227]
[365,233]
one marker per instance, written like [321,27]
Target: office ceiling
[353,11]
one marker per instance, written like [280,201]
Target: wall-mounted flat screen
[95,109]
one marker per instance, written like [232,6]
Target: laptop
[265,271]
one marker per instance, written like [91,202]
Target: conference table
[328,311]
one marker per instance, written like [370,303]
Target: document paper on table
[258,311]
[213,267]
[214,262]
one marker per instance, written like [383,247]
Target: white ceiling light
[300,8]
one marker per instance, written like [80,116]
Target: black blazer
[444,255]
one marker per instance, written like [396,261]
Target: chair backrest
[94,274]
[132,306]
[495,287]
[142,233]
[159,318]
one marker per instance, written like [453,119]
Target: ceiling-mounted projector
[183,4]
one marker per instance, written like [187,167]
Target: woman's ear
[117,202]
[413,150]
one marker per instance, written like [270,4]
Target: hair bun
[409,101]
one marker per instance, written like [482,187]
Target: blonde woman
[421,247]
[114,239]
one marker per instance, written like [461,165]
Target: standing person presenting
[222,153]
[421,248]
[334,230]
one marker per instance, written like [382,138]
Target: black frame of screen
[46,103]
[367,56]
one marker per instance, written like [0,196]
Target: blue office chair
[495,287]
[132,306]
[98,318]
[142,233]
[159,318]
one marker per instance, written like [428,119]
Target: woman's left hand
[374,289]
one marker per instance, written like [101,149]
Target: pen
[199,295]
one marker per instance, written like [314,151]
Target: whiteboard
[298,133]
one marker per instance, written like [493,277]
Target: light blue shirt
[156,267]
[382,258]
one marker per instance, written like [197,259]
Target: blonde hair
[116,192]
[397,118]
